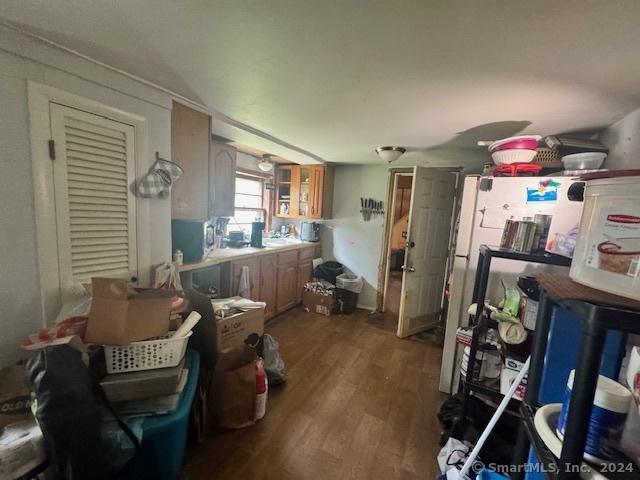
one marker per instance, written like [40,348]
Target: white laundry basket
[161,352]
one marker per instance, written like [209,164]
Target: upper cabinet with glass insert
[304,191]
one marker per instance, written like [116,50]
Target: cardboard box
[15,399]
[508,375]
[317,303]
[121,315]
[233,331]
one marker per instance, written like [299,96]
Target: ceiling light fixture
[265,164]
[390,154]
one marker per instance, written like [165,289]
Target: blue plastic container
[164,437]
[561,357]
[610,407]
[565,333]
[486,474]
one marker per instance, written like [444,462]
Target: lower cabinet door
[268,284]
[287,287]
[254,276]
[305,274]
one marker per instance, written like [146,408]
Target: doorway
[398,234]
[415,258]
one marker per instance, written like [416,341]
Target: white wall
[23,59]
[347,238]
[623,140]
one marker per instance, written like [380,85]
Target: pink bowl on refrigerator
[524,142]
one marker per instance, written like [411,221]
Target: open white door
[427,250]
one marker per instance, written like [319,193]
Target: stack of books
[527,235]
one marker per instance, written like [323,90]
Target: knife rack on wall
[371,208]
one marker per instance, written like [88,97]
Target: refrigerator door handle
[462,256]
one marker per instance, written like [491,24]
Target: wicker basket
[161,352]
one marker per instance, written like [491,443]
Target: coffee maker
[256,234]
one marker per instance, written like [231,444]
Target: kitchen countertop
[222,255]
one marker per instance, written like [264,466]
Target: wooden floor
[359,404]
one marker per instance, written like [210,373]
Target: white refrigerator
[482,216]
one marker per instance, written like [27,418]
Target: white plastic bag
[273,363]
[452,455]
[77,305]
[350,282]
[167,277]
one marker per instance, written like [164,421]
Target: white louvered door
[95,208]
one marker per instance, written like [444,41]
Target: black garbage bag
[69,406]
[328,271]
[499,446]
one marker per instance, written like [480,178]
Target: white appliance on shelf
[481,221]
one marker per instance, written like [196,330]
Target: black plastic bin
[347,300]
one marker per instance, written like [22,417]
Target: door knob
[409,244]
[404,268]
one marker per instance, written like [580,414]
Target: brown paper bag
[234,388]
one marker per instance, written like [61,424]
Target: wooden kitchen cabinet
[190,138]
[222,180]
[305,267]
[304,191]
[276,278]
[287,291]
[269,284]
[254,276]
[287,296]
[207,186]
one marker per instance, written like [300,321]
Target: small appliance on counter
[236,239]
[195,239]
[310,232]
[221,230]
[256,234]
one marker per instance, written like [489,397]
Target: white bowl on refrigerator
[514,155]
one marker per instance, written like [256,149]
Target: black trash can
[347,300]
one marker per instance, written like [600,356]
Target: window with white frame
[249,205]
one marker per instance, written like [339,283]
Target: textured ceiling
[338,78]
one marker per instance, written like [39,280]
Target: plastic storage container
[583,161]
[607,255]
[610,407]
[164,437]
[561,355]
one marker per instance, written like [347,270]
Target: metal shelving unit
[481,322]
[599,312]
[545,456]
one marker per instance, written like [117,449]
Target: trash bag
[273,363]
[350,282]
[68,410]
[453,455]
[328,271]
[498,448]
